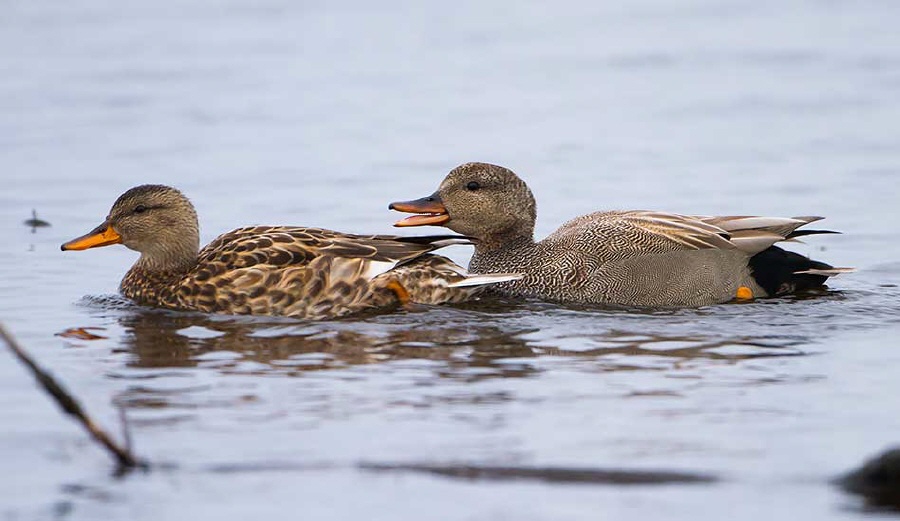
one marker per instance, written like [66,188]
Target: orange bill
[102,235]
[430,210]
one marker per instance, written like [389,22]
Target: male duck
[631,258]
[272,270]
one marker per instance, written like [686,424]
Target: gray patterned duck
[629,258]
[273,270]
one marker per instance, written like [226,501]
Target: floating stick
[124,457]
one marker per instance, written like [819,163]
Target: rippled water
[320,114]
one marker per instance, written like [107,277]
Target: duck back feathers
[307,272]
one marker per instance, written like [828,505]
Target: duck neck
[151,279]
[509,254]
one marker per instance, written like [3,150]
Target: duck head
[157,221]
[483,201]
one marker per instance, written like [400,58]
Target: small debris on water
[35,222]
[81,333]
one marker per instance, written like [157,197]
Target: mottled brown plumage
[272,270]
[635,258]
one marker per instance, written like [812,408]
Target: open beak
[430,210]
[102,235]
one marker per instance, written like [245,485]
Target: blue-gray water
[320,113]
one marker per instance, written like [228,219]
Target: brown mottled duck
[631,258]
[272,270]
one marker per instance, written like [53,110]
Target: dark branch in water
[70,405]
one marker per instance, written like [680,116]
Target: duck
[623,258]
[302,272]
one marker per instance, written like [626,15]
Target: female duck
[632,258]
[272,270]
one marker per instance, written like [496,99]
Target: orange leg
[399,290]
[743,293]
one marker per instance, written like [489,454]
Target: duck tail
[800,233]
[780,272]
[482,279]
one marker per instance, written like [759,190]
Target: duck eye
[140,209]
[472,186]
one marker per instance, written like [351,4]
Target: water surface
[319,114]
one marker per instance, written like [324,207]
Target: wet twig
[124,457]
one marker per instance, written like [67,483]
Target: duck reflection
[159,339]
[469,343]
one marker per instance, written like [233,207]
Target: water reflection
[566,475]
[712,347]
[469,343]
[158,339]
[179,368]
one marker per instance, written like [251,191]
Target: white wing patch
[376,268]
[491,278]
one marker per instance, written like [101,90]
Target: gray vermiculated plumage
[618,258]
[635,258]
